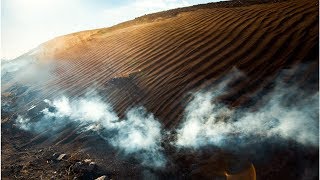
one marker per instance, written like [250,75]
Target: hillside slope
[159,62]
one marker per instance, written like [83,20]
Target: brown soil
[156,61]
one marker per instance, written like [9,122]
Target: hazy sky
[28,23]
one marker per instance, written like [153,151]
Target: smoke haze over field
[288,113]
[209,123]
[139,133]
[206,122]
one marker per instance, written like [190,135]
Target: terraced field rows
[156,64]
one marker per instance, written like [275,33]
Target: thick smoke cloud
[288,114]
[205,122]
[138,134]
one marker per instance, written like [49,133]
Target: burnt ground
[289,31]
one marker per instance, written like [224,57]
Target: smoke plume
[288,114]
[138,134]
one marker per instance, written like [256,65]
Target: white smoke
[24,123]
[9,66]
[139,133]
[210,123]
[206,122]
[85,110]
[26,71]
[203,122]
